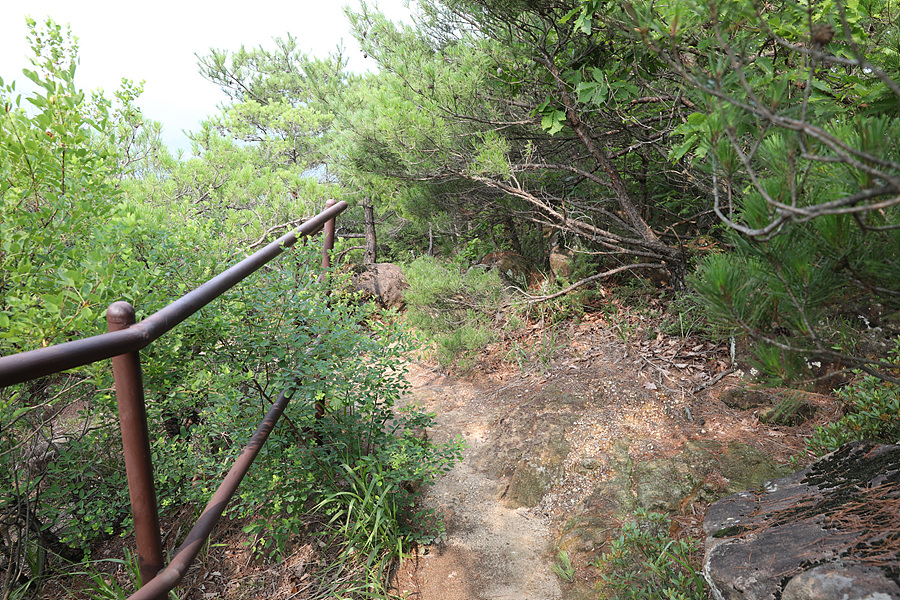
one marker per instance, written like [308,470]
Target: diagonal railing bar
[18,368]
[184,556]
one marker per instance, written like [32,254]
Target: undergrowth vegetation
[646,562]
[871,412]
[461,309]
[458,310]
[73,242]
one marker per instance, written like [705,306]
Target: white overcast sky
[156,42]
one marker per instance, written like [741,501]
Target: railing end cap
[120,315]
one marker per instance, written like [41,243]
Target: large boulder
[828,532]
[384,283]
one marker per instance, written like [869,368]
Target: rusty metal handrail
[32,364]
[184,556]
[123,343]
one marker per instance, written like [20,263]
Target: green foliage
[686,316]
[61,223]
[785,283]
[458,119]
[491,157]
[798,158]
[559,310]
[87,484]
[460,346]
[454,309]
[73,242]
[371,497]
[256,167]
[871,412]
[791,294]
[540,352]
[778,367]
[472,251]
[365,512]
[100,584]
[645,562]
[563,567]
[104,586]
[65,253]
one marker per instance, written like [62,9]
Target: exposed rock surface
[384,282]
[840,582]
[530,453]
[704,471]
[830,531]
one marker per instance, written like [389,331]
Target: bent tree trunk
[672,258]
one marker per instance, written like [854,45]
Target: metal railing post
[327,247]
[136,445]
[327,239]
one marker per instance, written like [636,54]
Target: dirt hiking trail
[567,428]
[491,550]
[540,441]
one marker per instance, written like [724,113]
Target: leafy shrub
[454,309]
[70,248]
[65,254]
[645,562]
[372,498]
[872,412]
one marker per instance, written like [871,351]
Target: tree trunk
[371,242]
[672,257]
[514,236]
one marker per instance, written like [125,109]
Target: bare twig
[595,277]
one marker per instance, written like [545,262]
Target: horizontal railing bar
[32,364]
[168,578]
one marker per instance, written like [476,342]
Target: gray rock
[837,582]
[818,533]
[384,282]
[705,471]
[541,465]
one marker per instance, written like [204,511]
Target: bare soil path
[604,397]
[490,551]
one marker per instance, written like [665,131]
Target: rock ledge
[830,531]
